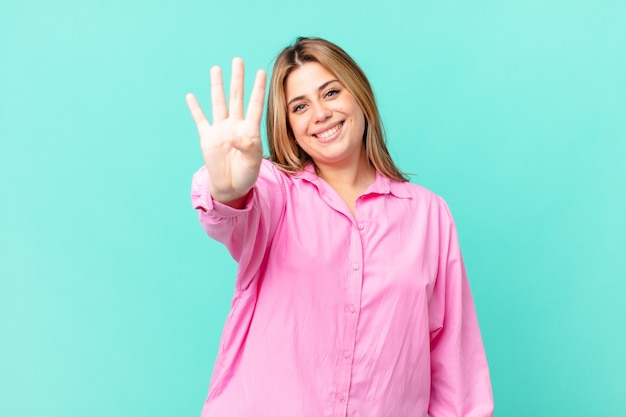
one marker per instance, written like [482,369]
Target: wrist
[234,201]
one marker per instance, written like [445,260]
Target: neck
[356,176]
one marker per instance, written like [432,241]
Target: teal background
[112,299]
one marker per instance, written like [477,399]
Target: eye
[332,93]
[298,108]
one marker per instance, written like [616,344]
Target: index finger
[255,105]
[196,111]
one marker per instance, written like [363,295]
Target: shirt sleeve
[460,382]
[246,232]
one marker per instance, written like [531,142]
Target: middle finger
[235,103]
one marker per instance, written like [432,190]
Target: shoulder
[414,190]
[270,172]
[406,189]
[272,177]
[422,197]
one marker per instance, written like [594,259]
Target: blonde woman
[351,297]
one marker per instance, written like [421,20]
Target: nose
[322,113]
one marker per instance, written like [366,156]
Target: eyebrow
[320,88]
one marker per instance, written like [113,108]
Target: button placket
[348,343]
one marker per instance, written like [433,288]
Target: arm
[234,206]
[460,382]
[247,230]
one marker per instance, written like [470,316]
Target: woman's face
[324,116]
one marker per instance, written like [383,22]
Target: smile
[330,132]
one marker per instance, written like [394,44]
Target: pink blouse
[334,315]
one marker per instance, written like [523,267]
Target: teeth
[328,133]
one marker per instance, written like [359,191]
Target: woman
[351,297]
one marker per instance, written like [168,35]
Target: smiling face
[325,118]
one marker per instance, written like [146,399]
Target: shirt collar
[382,184]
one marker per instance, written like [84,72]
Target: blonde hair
[284,151]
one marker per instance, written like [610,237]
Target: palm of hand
[231,145]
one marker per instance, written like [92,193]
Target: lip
[331,137]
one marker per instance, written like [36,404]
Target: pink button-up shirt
[334,315]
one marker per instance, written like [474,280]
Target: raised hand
[231,145]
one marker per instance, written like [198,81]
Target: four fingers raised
[235,102]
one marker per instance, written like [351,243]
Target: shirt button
[360,226]
[346,354]
[355,266]
[341,397]
[352,308]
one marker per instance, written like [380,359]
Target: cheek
[358,117]
[298,126]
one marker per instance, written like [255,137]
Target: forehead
[306,79]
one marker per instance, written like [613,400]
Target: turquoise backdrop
[112,299]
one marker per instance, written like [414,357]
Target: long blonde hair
[284,151]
